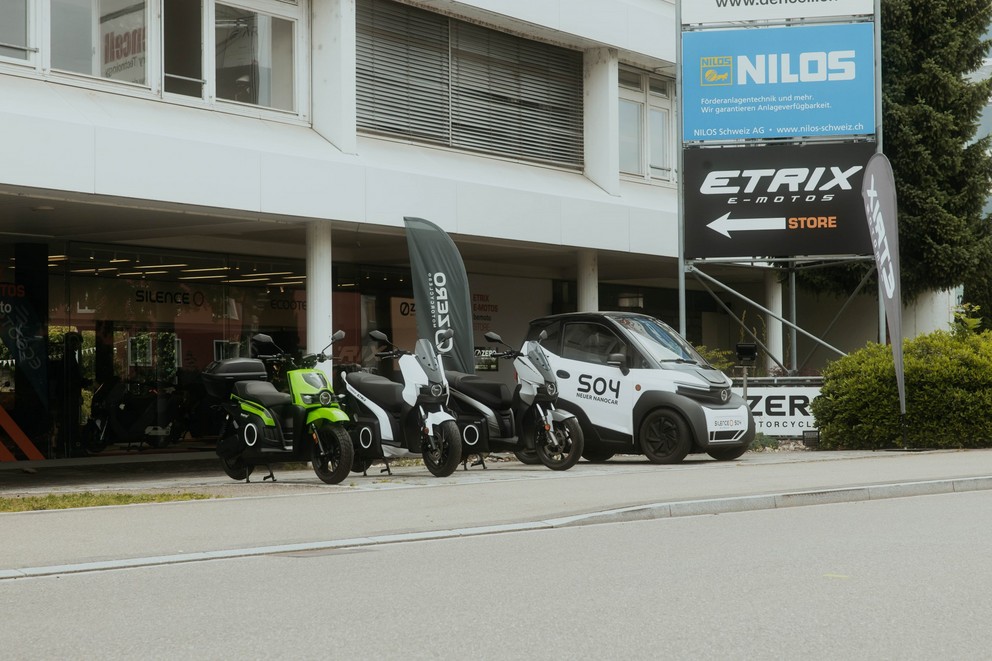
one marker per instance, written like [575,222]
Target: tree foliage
[931,106]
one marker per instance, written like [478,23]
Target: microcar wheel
[332,456]
[664,437]
[597,455]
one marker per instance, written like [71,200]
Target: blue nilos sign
[879,193]
[440,289]
[762,84]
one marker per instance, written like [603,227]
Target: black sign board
[775,200]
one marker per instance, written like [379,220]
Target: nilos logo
[775,68]
[715,71]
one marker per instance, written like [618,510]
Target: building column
[588,280]
[332,68]
[601,116]
[773,325]
[320,286]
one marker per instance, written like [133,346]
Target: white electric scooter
[391,420]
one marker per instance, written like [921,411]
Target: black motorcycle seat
[494,394]
[378,388]
[262,392]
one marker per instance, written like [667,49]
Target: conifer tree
[931,106]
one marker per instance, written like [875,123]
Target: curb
[635,513]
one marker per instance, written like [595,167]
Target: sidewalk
[299,513]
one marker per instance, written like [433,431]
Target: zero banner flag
[879,192]
[440,291]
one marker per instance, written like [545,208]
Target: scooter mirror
[338,335]
[262,338]
[542,336]
[378,336]
[447,334]
[493,337]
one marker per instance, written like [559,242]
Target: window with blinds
[427,77]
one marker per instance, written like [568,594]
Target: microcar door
[594,386]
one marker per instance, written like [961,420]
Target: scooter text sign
[775,201]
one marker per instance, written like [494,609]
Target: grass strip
[89,499]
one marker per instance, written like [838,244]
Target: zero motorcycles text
[442,320]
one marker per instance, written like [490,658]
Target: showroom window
[14,31]
[646,127]
[427,77]
[231,53]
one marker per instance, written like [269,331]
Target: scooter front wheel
[443,454]
[562,446]
[332,453]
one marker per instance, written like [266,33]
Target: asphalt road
[903,578]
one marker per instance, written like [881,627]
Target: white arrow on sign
[724,225]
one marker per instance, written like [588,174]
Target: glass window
[104,38]
[630,136]
[14,29]
[645,125]
[183,47]
[254,58]
[424,76]
[590,343]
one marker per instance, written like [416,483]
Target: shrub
[948,395]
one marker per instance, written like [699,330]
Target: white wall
[66,138]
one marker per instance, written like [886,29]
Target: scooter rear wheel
[332,464]
[236,468]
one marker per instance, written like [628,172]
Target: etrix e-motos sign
[775,200]
[721,11]
[778,82]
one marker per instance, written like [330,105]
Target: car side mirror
[618,360]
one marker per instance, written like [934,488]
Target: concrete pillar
[602,118]
[332,70]
[320,286]
[773,326]
[588,280]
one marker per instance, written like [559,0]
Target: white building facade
[179,174]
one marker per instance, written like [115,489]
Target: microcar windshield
[659,340]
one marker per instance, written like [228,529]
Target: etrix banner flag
[787,82]
[720,11]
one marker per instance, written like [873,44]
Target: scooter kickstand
[481,460]
[270,476]
[386,469]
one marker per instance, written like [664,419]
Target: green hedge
[948,395]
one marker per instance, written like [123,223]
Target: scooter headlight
[553,389]
[325,397]
[437,389]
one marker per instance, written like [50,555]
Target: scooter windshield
[427,357]
[539,360]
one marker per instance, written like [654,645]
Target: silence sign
[775,200]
